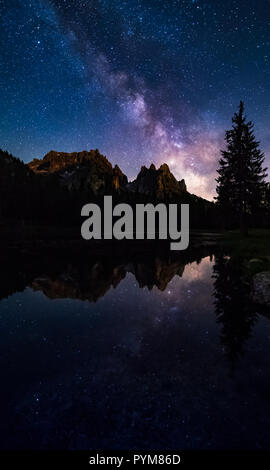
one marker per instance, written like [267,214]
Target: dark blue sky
[142,80]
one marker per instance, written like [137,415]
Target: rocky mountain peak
[91,171]
[84,171]
[182,185]
[164,168]
[119,178]
[54,162]
[158,183]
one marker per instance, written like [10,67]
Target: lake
[132,351]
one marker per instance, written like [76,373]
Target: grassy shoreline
[255,245]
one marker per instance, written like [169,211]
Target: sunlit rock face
[119,178]
[92,171]
[159,183]
[89,175]
[81,171]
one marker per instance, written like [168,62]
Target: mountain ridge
[52,190]
[90,170]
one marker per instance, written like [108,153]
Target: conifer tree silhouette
[241,182]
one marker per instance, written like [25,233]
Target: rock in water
[261,288]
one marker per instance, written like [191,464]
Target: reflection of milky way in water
[95,283]
[139,368]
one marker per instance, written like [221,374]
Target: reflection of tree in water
[234,308]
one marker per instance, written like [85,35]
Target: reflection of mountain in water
[86,276]
[76,273]
[80,282]
[94,282]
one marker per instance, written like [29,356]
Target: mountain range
[54,188]
[92,171]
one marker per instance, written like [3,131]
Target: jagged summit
[92,171]
[56,161]
[159,183]
[54,188]
[86,170]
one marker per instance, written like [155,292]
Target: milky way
[142,80]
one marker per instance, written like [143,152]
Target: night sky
[141,80]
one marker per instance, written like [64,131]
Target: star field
[142,80]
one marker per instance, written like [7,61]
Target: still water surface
[149,354]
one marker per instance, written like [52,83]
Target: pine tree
[241,181]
